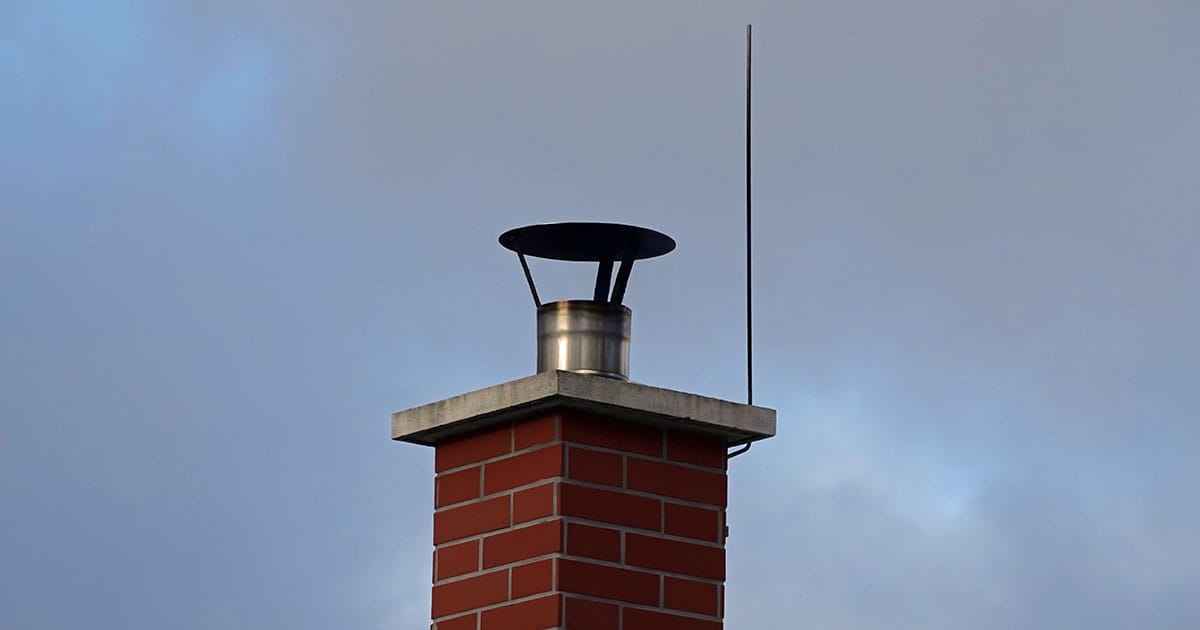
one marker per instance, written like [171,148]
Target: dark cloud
[235,236]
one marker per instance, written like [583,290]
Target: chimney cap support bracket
[603,243]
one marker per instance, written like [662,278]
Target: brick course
[454,560]
[472,448]
[586,614]
[470,519]
[599,543]
[596,467]
[536,614]
[672,480]
[692,522]
[691,595]
[456,487]
[701,450]
[515,545]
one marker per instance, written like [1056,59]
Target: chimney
[575,498]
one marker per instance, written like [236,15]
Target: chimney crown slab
[431,424]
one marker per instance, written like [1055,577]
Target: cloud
[235,236]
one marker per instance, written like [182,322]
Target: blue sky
[234,237]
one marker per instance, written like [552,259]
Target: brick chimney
[567,500]
[575,498]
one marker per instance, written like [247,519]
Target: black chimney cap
[594,242]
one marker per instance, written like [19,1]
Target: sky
[236,236]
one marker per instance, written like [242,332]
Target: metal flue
[588,336]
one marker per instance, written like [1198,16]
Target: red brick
[698,597]
[595,466]
[533,503]
[593,542]
[536,614]
[456,560]
[473,448]
[614,434]
[522,544]
[637,619]
[608,582]
[545,463]
[470,519]
[694,448]
[692,522]
[456,487]
[465,622]
[677,557]
[473,592]
[535,431]
[532,578]
[608,506]
[675,481]
[585,614]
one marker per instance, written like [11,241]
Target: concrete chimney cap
[437,422]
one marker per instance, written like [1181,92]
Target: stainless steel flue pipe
[584,336]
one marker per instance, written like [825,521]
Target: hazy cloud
[235,236]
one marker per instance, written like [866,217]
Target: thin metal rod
[618,293]
[749,257]
[529,279]
[603,280]
[732,454]
[631,247]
